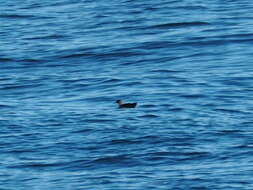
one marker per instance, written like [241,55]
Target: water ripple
[187,64]
[180,24]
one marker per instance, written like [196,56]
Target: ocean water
[188,64]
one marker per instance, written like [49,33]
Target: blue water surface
[188,64]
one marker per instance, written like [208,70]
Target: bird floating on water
[126,105]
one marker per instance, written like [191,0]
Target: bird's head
[119,102]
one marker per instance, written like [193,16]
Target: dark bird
[127,105]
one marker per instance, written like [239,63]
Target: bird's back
[128,105]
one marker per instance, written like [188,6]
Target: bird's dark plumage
[127,105]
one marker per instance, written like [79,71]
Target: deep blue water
[188,64]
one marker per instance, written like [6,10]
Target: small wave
[99,120]
[6,59]
[5,106]
[177,155]
[197,153]
[243,146]
[123,141]
[193,43]
[19,16]
[33,165]
[14,16]
[77,55]
[149,116]
[82,131]
[148,106]
[133,83]
[31,60]
[237,82]
[5,79]
[63,3]
[235,36]
[21,151]
[47,37]
[157,45]
[216,42]
[165,71]
[120,54]
[72,80]
[176,109]
[229,110]
[193,96]
[247,123]
[98,55]
[179,24]
[160,153]
[112,159]
[114,80]
[199,7]
[148,137]
[230,131]
[32,6]
[13,87]
[184,156]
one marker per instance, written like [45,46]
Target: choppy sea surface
[188,64]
